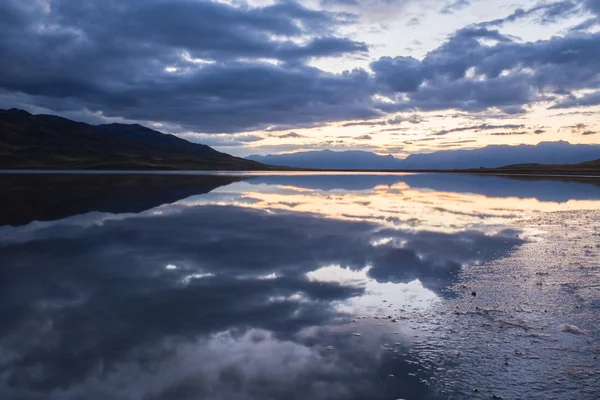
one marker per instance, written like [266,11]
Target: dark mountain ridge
[50,142]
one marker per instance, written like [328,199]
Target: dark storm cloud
[463,73]
[203,66]
[399,74]
[590,99]
[204,29]
[66,58]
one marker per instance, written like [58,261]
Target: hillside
[584,168]
[49,142]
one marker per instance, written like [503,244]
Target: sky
[266,77]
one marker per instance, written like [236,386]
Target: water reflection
[253,288]
[550,189]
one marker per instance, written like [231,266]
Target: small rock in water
[573,329]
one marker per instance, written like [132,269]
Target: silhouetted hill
[584,168]
[489,157]
[49,142]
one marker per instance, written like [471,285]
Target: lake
[298,286]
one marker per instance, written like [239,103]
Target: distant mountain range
[489,157]
[49,142]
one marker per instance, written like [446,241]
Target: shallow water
[298,286]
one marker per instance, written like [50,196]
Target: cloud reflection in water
[235,294]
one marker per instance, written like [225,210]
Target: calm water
[298,286]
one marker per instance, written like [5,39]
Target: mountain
[327,159]
[49,142]
[560,152]
[489,157]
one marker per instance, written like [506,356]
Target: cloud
[455,5]
[396,120]
[553,12]
[579,128]
[176,64]
[363,137]
[291,135]
[477,128]
[593,6]
[546,13]
[372,10]
[228,140]
[364,123]
[509,133]
[110,302]
[413,119]
[468,75]
[399,74]
[414,22]
[590,99]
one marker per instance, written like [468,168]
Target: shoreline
[486,171]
